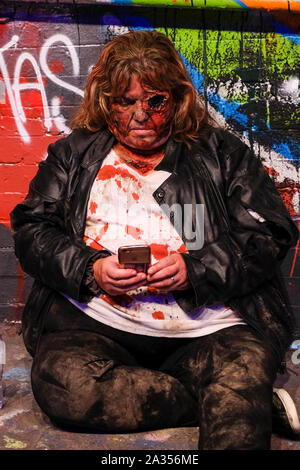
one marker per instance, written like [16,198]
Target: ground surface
[24,427]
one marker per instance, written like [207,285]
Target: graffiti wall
[244,62]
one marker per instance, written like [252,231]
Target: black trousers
[89,375]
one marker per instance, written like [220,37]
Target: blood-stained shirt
[122,211]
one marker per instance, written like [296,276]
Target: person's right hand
[114,279]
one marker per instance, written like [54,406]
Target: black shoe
[285,419]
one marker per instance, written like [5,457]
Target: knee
[67,389]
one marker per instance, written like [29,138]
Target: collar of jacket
[94,146]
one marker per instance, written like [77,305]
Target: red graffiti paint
[273,173]
[56,67]
[22,156]
[287,191]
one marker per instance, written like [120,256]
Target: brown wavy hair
[151,56]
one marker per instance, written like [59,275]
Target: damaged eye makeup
[155,102]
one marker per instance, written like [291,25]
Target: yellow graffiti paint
[11,443]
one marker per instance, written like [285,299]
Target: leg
[82,378]
[231,373]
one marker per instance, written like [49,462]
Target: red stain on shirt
[158,315]
[123,300]
[93,207]
[159,251]
[181,249]
[135,232]
[109,171]
[102,231]
[96,245]
[118,183]
[135,196]
[152,290]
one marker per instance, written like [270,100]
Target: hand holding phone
[135,257]
[114,279]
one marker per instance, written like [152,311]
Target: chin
[144,145]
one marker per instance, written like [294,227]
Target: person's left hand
[169,274]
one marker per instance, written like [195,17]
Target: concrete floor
[23,426]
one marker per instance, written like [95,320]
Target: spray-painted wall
[245,62]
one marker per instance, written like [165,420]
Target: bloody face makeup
[141,119]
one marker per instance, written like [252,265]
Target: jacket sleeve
[259,233]
[46,247]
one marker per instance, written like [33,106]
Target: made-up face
[142,118]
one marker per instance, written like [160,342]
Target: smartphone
[135,257]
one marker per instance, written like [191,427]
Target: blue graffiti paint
[242,4]
[289,149]
[284,149]
[18,373]
[227,109]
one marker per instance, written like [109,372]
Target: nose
[140,115]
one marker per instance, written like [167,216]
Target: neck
[142,161]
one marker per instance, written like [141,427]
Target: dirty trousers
[88,375]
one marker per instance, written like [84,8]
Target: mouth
[141,130]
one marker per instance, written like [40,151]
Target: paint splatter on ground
[11,443]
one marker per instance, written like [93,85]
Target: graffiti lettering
[51,113]
[296,354]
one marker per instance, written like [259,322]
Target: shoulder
[221,140]
[220,148]
[76,142]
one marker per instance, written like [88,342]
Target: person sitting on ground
[199,338]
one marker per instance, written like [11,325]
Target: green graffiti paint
[231,4]
[270,53]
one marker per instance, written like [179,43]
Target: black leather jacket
[238,264]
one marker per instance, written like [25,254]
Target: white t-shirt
[122,211]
